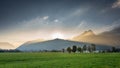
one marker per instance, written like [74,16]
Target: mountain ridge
[55,44]
[105,38]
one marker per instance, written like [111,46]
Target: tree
[74,48]
[79,49]
[89,49]
[84,47]
[63,50]
[113,49]
[69,49]
[93,47]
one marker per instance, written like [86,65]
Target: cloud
[40,23]
[56,20]
[82,26]
[82,23]
[79,12]
[75,13]
[115,31]
[116,4]
[108,27]
[45,17]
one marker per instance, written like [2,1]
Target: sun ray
[57,35]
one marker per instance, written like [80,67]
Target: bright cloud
[56,20]
[36,22]
[82,23]
[45,17]
[116,4]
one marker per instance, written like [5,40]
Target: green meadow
[59,60]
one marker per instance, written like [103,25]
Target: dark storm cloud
[22,18]
[113,32]
[14,12]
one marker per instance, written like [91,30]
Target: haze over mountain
[23,20]
[6,45]
[56,44]
[87,33]
[111,37]
[35,41]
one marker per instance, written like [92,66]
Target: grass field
[59,60]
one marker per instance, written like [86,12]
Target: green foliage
[74,48]
[89,49]
[84,47]
[93,47]
[113,49]
[59,60]
[69,49]
[79,49]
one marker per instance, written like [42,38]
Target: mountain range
[56,44]
[105,38]
[6,45]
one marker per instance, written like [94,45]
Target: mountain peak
[88,33]
[57,39]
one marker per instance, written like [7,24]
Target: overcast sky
[23,20]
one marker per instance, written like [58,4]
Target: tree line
[91,48]
[10,50]
[74,48]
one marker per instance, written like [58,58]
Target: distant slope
[105,38]
[6,45]
[55,44]
[35,41]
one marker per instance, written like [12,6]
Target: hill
[55,44]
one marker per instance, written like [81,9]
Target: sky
[24,20]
